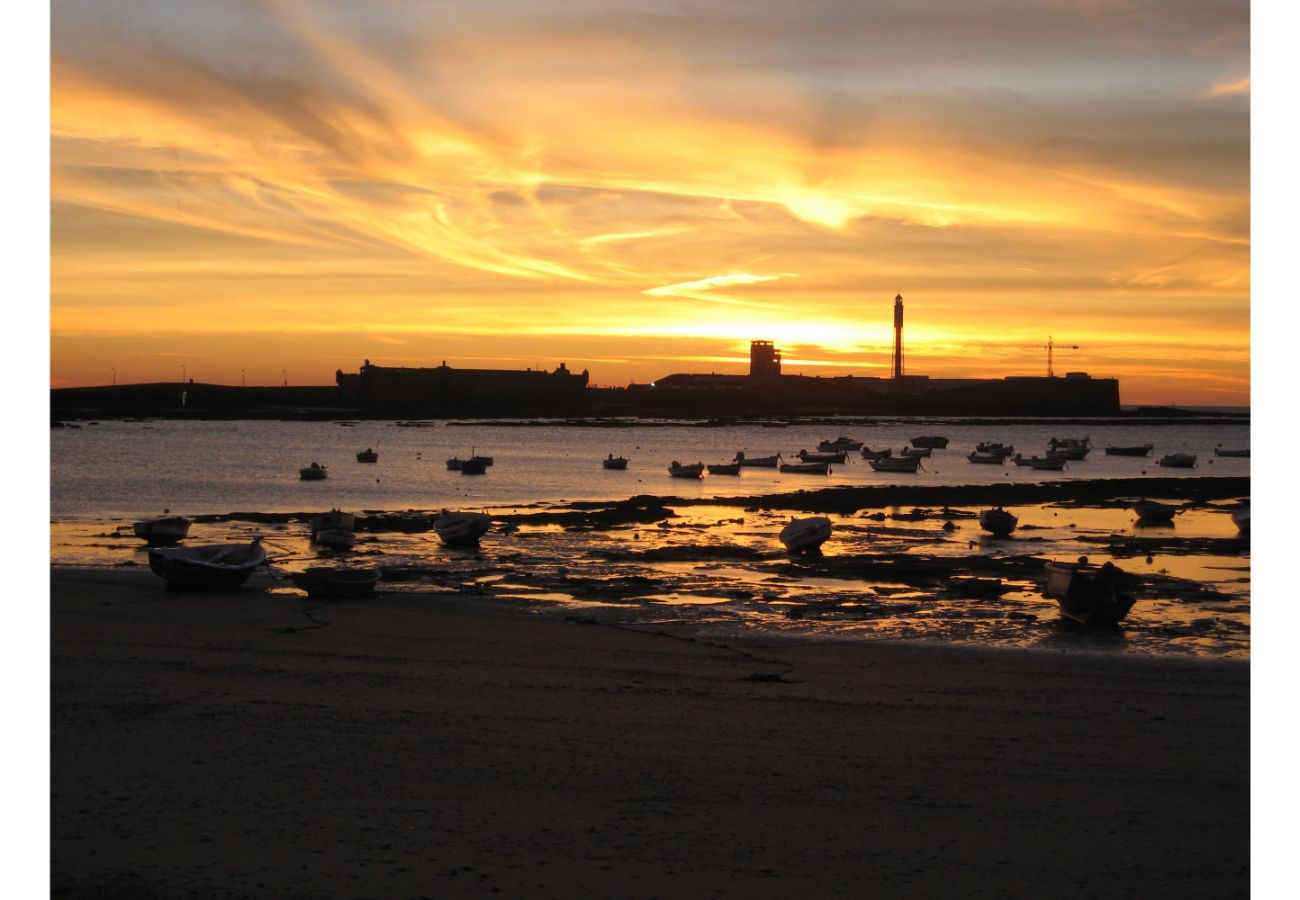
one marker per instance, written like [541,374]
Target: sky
[274,190]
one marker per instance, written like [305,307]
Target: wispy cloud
[1228,88]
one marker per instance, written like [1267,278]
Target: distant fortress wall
[444,388]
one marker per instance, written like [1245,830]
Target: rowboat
[869,454]
[162,532]
[840,443]
[933,441]
[806,468]
[209,567]
[335,538]
[998,521]
[837,456]
[987,458]
[1153,511]
[1068,442]
[925,452]
[677,470]
[995,448]
[336,583]
[767,462]
[367,456]
[614,462]
[1143,450]
[1239,454]
[1088,593]
[806,535]
[332,519]
[461,529]
[1071,452]
[314,472]
[724,468]
[1050,463]
[1177,460]
[896,464]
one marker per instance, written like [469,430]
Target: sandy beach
[434,745]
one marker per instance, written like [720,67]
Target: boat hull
[213,567]
[1087,594]
[162,532]
[808,468]
[1144,450]
[998,522]
[908,464]
[616,464]
[724,468]
[327,583]
[461,529]
[931,441]
[806,535]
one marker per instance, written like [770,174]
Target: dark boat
[996,448]
[461,529]
[766,462]
[830,456]
[162,532]
[840,443]
[475,465]
[614,462]
[806,468]
[677,470]
[210,567]
[368,456]
[724,468]
[1144,450]
[998,521]
[336,583]
[987,458]
[869,454]
[1152,512]
[1088,593]
[932,441]
[314,472]
[1177,460]
[1237,454]
[1048,463]
[896,464]
[1071,452]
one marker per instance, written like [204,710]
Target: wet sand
[441,745]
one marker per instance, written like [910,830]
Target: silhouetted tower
[898,336]
[764,359]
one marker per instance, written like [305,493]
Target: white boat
[461,529]
[806,535]
[896,464]
[211,566]
[806,468]
[998,521]
[1057,443]
[766,462]
[1241,518]
[835,456]
[840,443]
[677,470]
[314,472]
[162,532]
[1153,511]
[1177,460]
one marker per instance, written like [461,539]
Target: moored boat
[314,472]
[1071,452]
[461,529]
[994,447]
[1152,511]
[837,456]
[677,470]
[163,531]
[1141,450]
[806,468]
[614,462]
[1048,463]
[924,452]
[933,441]
[336,583]
[998,521]
[369,455]
[869,454]
[1087,593]
[987,458]
[766,462]
[1177,460]
[732,468]
[335,538]
[806,535]
[1057,443]
[209,567]
[840,443]
[475,465]
[332,519]
[896,464]
[1244,453]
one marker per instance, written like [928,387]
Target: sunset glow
[290,187]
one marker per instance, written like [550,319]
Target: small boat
[485,460]
[1055,443]
[1241,518]
[1153,512]
[806,468]
[368,455]
[1050,463]
[332,519]
[162,532]
[461,529]
[869,454]
[335,538]
[475,465]
[724,468]
[1142,450]
[614,462]
[1071,452]
[1088,593]
[336,583]
[209,567]
[1238,454]
[925,452]
[806,535]
[987,458]
[840,443]
[896,464]
[932,441]
[1177,460]
[837,456]
[314,472]
[454,464]
[998,521]
[677,470]
[997,448]
[766,462]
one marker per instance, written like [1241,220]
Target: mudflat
[249,744]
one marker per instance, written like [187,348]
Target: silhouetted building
[898,336]
[445,389]
[764,359]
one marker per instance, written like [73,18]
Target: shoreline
[421,744]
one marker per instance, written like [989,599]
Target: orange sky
[285,188]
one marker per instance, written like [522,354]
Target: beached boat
[1152,511]
[995,448]
[924,452]
[209,567]
[162,532]
[1177,460]
[1241,518]
[806,468]
[1141,450]
[677,470]
[332,519]
[933,441]
[314,472]
[806,535]
[766,462]
[614,462]
[998,521]
[732,468]
[896,464]
[336,583]
[986,458]
[461,529]
[335,538]
[1071,452]
[369,455]
[1088,593]
[869,454]
[1236,454]
[840,443]
[838,456]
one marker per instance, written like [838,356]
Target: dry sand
[426,746]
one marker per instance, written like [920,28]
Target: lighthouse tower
[898,336]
